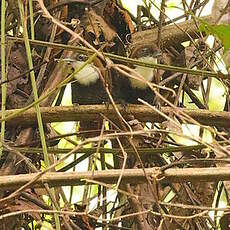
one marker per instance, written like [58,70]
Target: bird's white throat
[88,75]
[145,72]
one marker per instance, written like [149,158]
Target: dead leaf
[96,25]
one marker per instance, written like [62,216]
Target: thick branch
[93,112]
[172,34]
[111,176]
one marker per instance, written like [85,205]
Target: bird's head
[149,50]
[86,76]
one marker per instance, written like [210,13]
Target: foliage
[221,31]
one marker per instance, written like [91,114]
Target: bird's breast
[88,75]
[145,72]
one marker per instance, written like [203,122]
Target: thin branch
[125,59]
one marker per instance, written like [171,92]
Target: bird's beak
[68,60]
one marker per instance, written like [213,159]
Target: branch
[111,176]
[122,59]
[172,34]
[93,112]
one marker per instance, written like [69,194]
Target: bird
[133,88]
[87,88]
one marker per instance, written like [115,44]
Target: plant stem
[37,108]
[3,73]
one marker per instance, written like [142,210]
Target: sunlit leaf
[221,31]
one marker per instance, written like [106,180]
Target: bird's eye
[101,38]
[145,49]
[82,57]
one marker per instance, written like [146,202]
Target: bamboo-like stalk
[31,12]
[33,82]
[128,60]
[3,72]
[142,151]
[37,108]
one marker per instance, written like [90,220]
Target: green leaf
[221,31]
[205,27]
